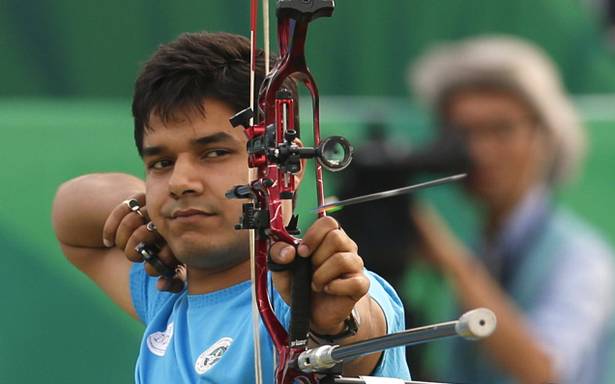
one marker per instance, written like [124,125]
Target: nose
[185,179]
[482,149]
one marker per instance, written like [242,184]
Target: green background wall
[56,326]
[66,72]
[93,49]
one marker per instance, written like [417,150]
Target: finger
[126,228]
[175,284]
[170,285]
[355,286]
[316,234]
[150,270]
[143,211]
[181,272]
[140,235]
[335,241]
[282,253]
[115,217]
[166,258]
[337,266]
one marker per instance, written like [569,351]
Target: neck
[497,213]
[207,280]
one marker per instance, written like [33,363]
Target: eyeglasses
[496,131]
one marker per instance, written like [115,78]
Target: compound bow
[276,157]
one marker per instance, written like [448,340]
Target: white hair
[518,66]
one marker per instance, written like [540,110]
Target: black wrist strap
[351,327]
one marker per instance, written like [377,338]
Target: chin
[484,192]
[201,252]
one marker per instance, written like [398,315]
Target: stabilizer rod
[472,325]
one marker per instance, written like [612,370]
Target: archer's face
[190,163]
[506,146]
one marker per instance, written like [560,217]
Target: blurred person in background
[547,275]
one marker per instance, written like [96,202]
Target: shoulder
[580,271]
[579,244]
[393,361]
[576,294]
[381,290]
[573,230]
[387,298]
[147,300]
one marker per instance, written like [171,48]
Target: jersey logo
[212,355]
[158,342]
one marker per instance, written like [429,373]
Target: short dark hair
[182,73]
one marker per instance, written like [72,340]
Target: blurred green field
[56,326]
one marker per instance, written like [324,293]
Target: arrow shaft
[391,193]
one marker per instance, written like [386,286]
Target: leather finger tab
[149,253]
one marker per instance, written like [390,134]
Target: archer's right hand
[125,228]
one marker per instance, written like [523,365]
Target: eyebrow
[198,142]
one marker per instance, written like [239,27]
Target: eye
[216,153]
[160,164]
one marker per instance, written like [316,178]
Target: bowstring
[258,373]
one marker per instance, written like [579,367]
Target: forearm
[373,324]
[511,345]
[82,205]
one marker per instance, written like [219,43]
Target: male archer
[198,322]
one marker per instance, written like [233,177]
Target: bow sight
[333,153]
[277,145]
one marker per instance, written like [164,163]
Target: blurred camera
[383,228]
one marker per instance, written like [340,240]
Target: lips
[187,213]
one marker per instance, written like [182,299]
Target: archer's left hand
[338,280]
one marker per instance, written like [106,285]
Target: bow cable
[266,34]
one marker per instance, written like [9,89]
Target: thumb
[282,253]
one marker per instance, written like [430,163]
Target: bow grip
[301,304]
[310,9]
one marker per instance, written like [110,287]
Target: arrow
[389,193]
